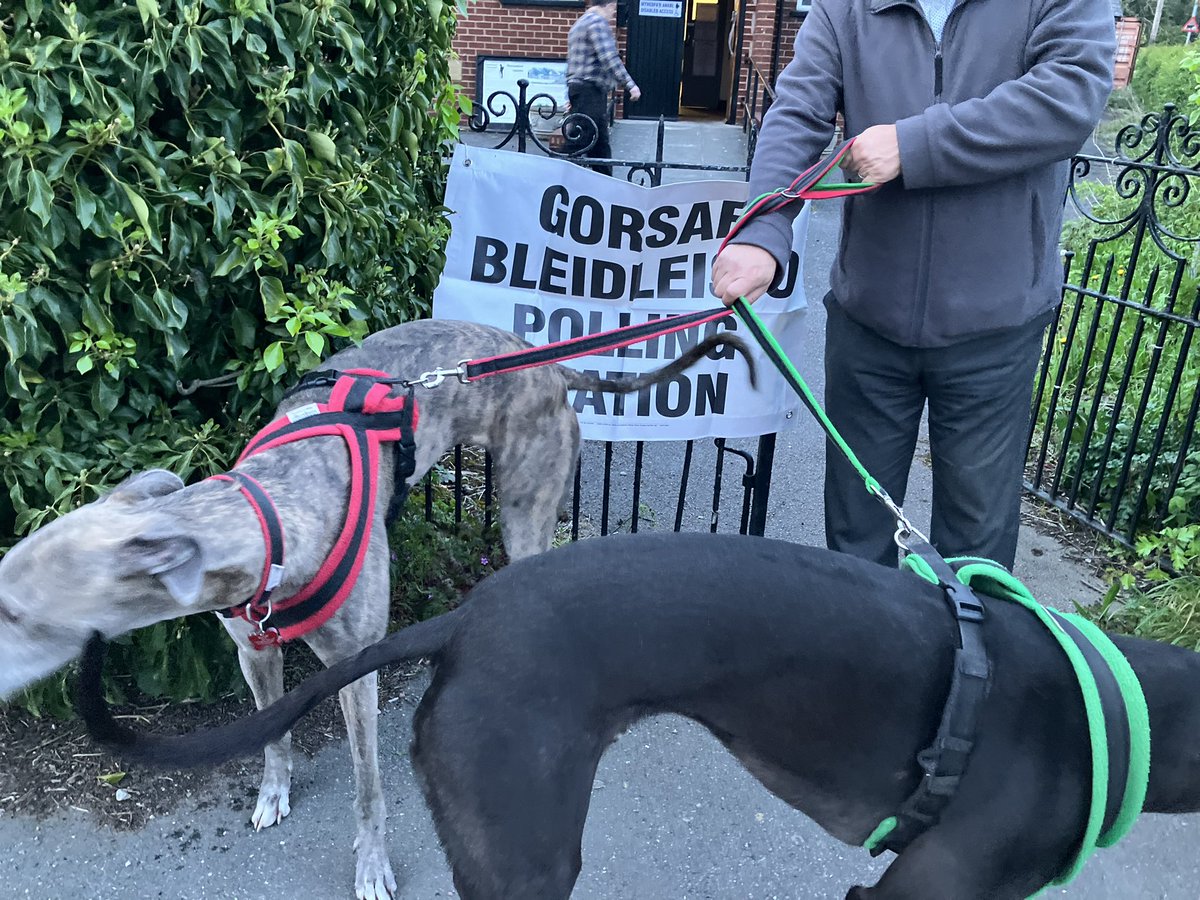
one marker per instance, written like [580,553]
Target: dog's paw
[272,806]
[374,880]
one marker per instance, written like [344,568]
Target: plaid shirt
[592,54]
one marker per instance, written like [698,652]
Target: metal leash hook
[435,377]
[904,528]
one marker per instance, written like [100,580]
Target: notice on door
[662,9]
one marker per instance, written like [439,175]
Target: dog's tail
[208,747]
[582,381]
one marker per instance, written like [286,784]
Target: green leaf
[142,211]
[85,205]
[228,261]
[322,145]
[148,10]
[111,778]
[273,356]
[12,176]
[48,106]
[84,365]
[273,296]
[41,195]
[245,328]
[315,341]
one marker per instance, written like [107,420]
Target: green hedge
[194,190]
[1158,77]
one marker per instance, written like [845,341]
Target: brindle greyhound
[824,674]
[154,550]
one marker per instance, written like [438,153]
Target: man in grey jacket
[966,112]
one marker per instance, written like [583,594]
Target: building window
[803,7]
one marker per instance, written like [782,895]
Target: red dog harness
[362,411]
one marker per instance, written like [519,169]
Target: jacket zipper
[922,303]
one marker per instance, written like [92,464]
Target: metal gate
[684,485]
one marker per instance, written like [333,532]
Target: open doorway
[706,57]
[680,55]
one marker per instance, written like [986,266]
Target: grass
[1165,611]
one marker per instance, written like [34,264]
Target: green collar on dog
[1113,701]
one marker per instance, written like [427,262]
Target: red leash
[808,185]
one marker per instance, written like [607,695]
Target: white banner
[551,251]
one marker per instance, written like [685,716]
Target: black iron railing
[1112,440]
[1113,436]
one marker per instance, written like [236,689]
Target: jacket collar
[881,5]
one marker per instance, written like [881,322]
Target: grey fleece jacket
[965,241]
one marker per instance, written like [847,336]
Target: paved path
[673,815]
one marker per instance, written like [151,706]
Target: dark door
[704,53]
[655,56]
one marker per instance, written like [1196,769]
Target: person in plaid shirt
[594,68]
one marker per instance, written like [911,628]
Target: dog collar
[362,411]
[257,609]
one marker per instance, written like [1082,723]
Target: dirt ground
[47,764]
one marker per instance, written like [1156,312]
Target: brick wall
[758,39]
[492,29]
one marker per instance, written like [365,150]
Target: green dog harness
[1115,708]
[1118,721]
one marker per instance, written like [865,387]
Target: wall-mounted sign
[661,9]
[498,75]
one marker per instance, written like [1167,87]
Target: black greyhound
[823,674]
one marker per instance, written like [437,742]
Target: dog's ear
[144,485]
[173,557]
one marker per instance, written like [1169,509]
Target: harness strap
[363,413]
[258,608]
[945,760]
[1116,721]
[1114,705]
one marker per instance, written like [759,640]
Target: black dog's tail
[585,382]
[212,746]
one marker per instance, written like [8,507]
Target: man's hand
[875,154]
[635,93]
[742,270]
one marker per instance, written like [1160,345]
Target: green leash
[767,341]
[992,579]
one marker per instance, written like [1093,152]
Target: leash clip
[435,377]
[904,528]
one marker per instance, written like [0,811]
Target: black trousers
[592,101]
[979,394]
